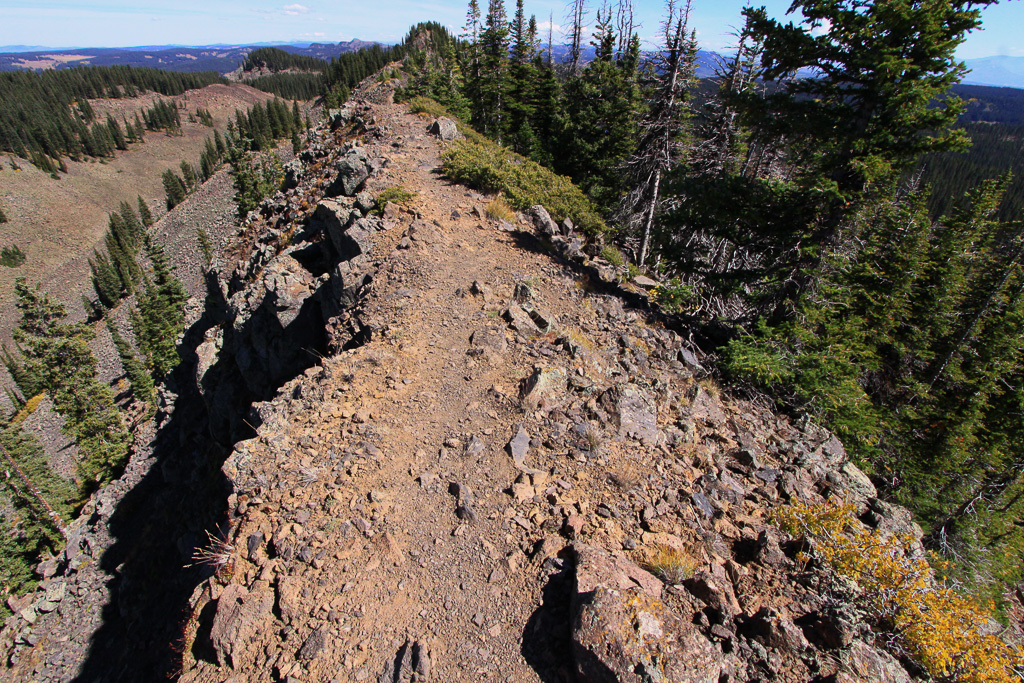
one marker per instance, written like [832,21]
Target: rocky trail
[469,438]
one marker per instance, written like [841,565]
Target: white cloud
[293,10]
[315,34]
[821,30]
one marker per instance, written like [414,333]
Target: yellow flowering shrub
[944,631]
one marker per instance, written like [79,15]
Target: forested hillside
[46,115]
[787,225]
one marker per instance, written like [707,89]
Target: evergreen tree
[188,175]
[138,377]
[105,280]
[602,111]
[523,82]
[174,187]
[116,133]
[492,80]
[3,216]
[59,354]
[37,503]
[160,314]
[145,215]
[471,53]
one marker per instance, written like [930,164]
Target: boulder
[543,222]
[545,385]
[521,321]
[623,633]
[869,664]
[353,170]
[240,614]
[444,128]
[633,412]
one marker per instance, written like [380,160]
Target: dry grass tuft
[671,565]
[499,210]
[217,554]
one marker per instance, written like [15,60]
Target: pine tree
[3,216]
[174,187]
[602,110]
[145,215]
[523,78]
[160,314]
[188,175]
[105,280]
[493,85]
[116,133]
[59,354]
[138,377]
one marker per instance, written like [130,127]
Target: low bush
[11,256]
[425,105]
[488,167]
[396,194]
[613,256]
[927,620]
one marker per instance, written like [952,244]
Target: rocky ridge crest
[469,442]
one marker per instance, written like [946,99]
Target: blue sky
[117,23]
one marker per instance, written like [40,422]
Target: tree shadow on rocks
[161,522]
[547,637]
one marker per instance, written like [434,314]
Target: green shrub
[613,256]
[396,194]
[488,167]
[425,105]
[675,296]
[11,256]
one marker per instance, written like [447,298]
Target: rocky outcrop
[445,129]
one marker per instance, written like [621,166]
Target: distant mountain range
[1003,71]
[221,58]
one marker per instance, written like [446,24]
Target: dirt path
[403,413]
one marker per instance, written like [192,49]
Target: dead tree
[661,142]
[577,17]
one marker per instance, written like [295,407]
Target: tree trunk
[34,492]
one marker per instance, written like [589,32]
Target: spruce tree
[174,187]
[493,80]
[188,176]
[59,354]
[145,215]
[159,317]
[140,380]
[105,280]
[602,113]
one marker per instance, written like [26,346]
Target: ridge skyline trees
[794,237]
